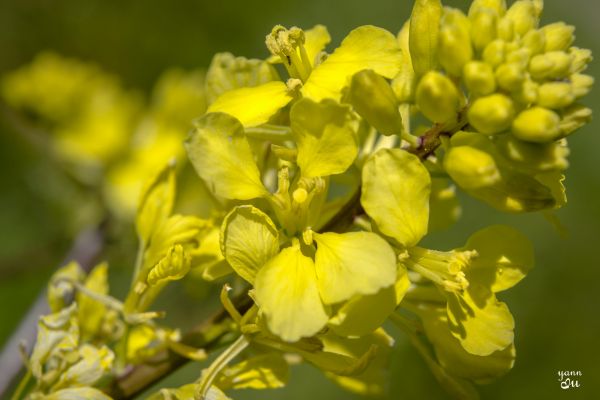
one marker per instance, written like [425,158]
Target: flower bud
[581,84]
[536,124]
[523,15]
[491,114]
[497,5]
[574,118]
[437,97]
[555,95]
[494,53]
[580,59]
[454,45]
[510,76]
[559,36]
[424,33]
[484,22]
[506,30]
[527,93]
[552,65]
[520,57]
[535,41]
[539,157]
[479,78]
[470,167]
[373,98]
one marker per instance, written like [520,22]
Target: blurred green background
[555,308]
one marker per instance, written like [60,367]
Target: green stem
[220,362]
[22,386]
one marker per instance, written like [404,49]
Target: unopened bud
[536,124]
[559,36]
[574,118]
[510,76]
[506,30]
[524,16]
[484,24]
[437,97]
[552,65]
[491,114]
[454,45]
[520,57]
[581,84]
[497,5]
[535,41]
[580,59]
[470,167]
[495,52]
[373,98]
[555,95]
[424,33]
[479,78]
[527,93]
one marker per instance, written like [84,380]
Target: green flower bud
[424,33]
[497,5]
[536,124]
[574,118]
[454,46]
[437,97]
[581,84]
[484,23]
[520,56]
[555,95]
[491,114]
[580,59]
[559,36]
[495,52]
[506,30]
[523,15]
[552,65]
[535,41]
[404,83]
[510,76]
[373,98]
[471,168]
[527,93]
[539,157]
[479,78]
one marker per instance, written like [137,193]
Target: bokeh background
[556,308]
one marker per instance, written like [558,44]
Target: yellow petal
[265,371]
[248,240]
[325,137]
[221,155]
[253,106]
[353,263]
[396,188]
[366,47]
[287,293]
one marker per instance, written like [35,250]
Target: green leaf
[395,194]
[325,137]
[253,106]
[249,239]
[424,34]
[287,293]
[366,47]
[505,256]
[221,155]
[156,203]
[264,371]
[353,263]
